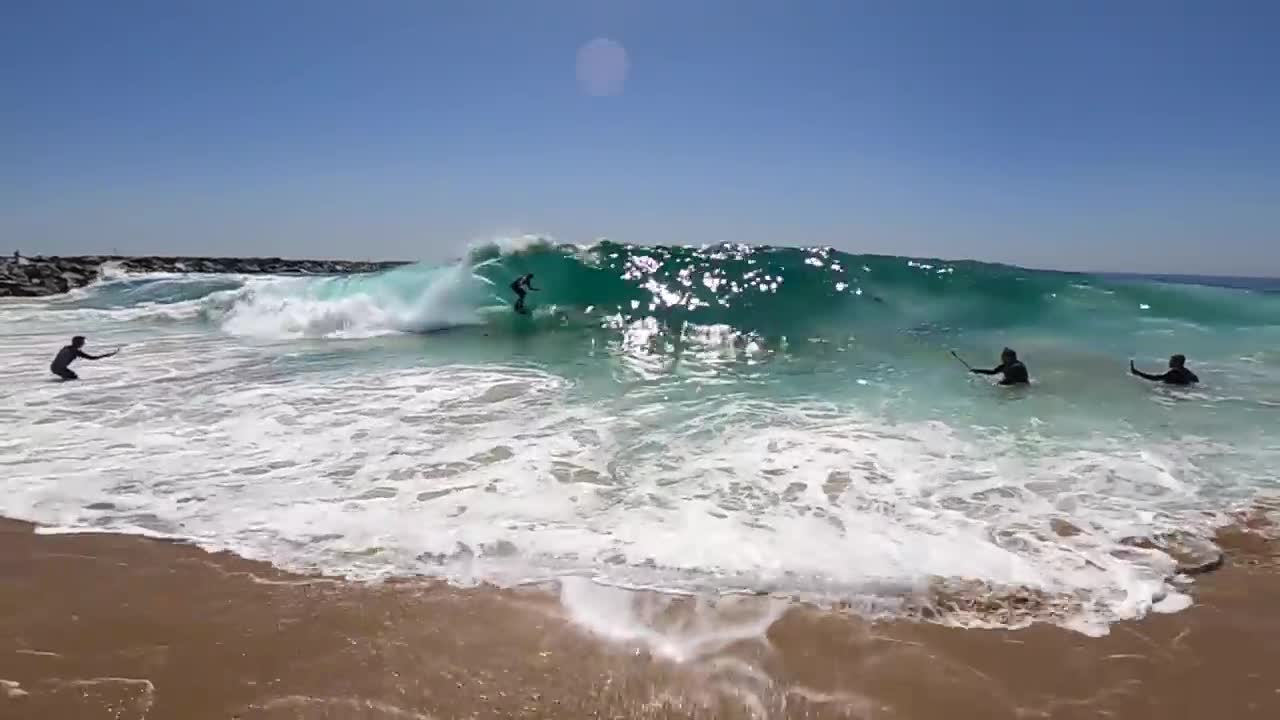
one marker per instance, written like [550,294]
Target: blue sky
[1081,135]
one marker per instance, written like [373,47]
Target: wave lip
[414,299]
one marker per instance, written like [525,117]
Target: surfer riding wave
[521,288]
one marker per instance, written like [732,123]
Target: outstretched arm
[87,356]
[992,371]
[1144,376]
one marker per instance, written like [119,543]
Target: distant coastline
[43,276]
[1259,284]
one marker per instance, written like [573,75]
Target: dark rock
[51,275]
[1063,528]
[1193,555]
[20,289]
[1196,556]
[1201,564]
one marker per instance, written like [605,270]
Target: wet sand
[103,626]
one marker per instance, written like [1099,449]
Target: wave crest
[777,291]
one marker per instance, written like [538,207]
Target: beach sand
[108,626]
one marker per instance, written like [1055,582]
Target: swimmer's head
[77,341]
[1008,355]
[1177,361]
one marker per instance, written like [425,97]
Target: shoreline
[54,275]
[100,625]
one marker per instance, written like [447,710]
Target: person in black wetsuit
[521,287]
[1015,373]
[1177,374]
[61,363]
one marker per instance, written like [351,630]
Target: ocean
[722,419]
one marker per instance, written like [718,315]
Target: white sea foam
[414,299]
[496,474]
[676,628]
[306,307]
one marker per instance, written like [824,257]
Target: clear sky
[1112,135]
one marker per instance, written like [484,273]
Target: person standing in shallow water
[61,365]
[1177,374]
[1015,373]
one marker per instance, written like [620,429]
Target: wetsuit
[518,288]
[61,363]
[1015,373]
[1174,376]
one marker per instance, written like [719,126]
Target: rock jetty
[40,276]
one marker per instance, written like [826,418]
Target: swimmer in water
[1177,374]
[1015,373]
[61,364]
[521,287]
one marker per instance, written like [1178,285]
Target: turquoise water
[708,419]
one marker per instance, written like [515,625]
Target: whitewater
[727,418]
